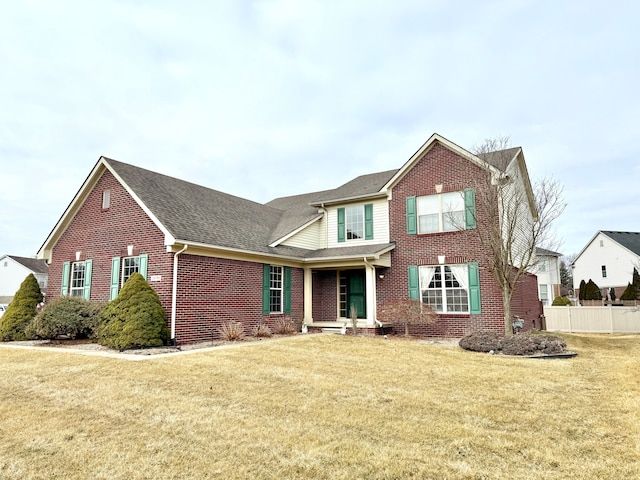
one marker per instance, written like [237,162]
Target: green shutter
[414,284]
[87,279]
[341,229]
[287,290]
[412,216]
[470,208]
[368,221]
[474,288]
[66,270]
[266,284]
[144,262]
[115,277]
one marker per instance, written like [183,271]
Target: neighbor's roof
[629,240]
[33,264]
[550,253]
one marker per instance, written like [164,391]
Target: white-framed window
[275,289]
[542,266]
[441,213]
[544,294]
[445,288]
[130,265]
[604,271]
[354,221]
[78,276]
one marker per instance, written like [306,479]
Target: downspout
[174,294]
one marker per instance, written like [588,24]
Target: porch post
[308,296]
[370,279]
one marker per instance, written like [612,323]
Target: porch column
[370,281]
[308,296]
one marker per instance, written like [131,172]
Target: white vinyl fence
[593,319]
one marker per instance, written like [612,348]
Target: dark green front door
[356,293]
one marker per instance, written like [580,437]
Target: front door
[356,293]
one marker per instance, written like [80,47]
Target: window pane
[77,279]
[354,220]
[457,300]
[130,265]
[275,290]
[429,223]
[428,204]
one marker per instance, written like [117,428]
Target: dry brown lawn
[324,407]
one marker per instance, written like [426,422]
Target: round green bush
[561,302]
[21,310]
[72,317]
[134,319]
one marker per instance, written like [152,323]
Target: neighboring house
[13,271]
[214,257]
[608,259]
[548,273]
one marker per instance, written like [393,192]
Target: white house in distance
[608,259]
[548,273]
[13,271]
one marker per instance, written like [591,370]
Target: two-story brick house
[214,257]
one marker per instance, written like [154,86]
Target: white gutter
[174,294]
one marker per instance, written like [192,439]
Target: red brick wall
[440,166]
[101,235]
[325,296]
[525,303]
[213,291]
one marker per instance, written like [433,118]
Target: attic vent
[106,199]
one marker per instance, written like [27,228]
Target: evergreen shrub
[561,302]
[135,318]
[21,310]
[72,317]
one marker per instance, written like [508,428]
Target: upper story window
[542,266]
[355,223]
[443,212]
[604,271]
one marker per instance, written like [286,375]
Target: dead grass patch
[332,407]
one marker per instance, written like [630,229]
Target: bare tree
[518,216]
[406,311]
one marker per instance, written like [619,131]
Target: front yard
[324,407]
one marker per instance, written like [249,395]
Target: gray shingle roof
[500,158]
[33,264]
[544,251]
[199,214]
[629,240]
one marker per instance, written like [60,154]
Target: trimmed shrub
[481,342]
[21,310]
[232,331]
[72,317]
[134,319]
[530,344]
[582,290]
[632,292]
[592,291]
[520,344]
[561,302]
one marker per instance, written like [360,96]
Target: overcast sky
[270,98]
